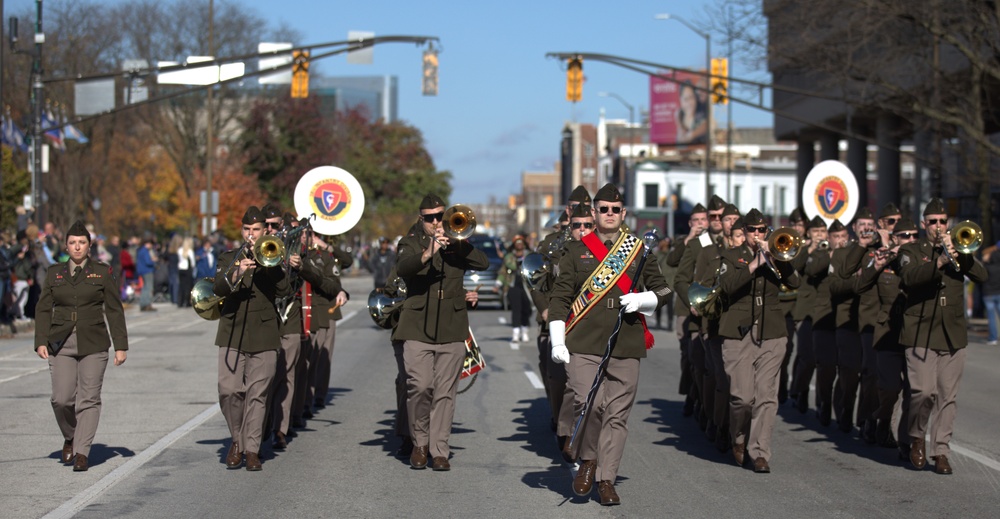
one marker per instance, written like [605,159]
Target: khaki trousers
[432,372]
[934,378]
[402,418]
[605,428]
[753,389]
[559,394]
[244,380]
[322,357]
[76,393]
[284,381]
[303,387]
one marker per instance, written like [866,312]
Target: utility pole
[729,112]
[207,225]
[37,100]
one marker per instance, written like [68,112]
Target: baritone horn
[268,251]
[459,222]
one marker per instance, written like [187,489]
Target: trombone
[966,236]
[267,252]
[459,222]
[783,244]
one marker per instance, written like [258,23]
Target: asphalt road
[160,446]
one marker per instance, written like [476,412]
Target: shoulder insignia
[904,260]
[830,271]
[724,268]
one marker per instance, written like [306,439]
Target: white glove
[557,338]
[644,302]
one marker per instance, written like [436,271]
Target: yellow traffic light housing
[719,82]
[300,74]
[574,79]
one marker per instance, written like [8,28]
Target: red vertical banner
[678,112]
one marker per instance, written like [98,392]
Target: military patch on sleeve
[830,270]
[663,291]
[723,268]
[904,260]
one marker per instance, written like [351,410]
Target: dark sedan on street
[485,280]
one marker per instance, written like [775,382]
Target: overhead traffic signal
[300,74]
[430,73]
[719,82]
[574,79]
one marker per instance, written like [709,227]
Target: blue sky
[502,103]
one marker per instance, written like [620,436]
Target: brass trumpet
[967,237]
[459,222]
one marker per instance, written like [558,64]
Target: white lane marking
[535,381]
[71,507]
[188,325]
[137,339]
[502,320]
[348,316]
[32,372]
[515,346]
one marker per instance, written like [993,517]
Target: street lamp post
[708,68]
[631,124]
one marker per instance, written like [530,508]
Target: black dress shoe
[406,449]
[67,452]
[606,490]
[418,459]
[441,464]
[319,403]
[868,432]
[291,432]
[80,463]
[279,442]
[308,414]
[802,402]
[760,466]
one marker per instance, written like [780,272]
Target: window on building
[651,197]
[782,208]
[588,149]
[736,195]
[762,205]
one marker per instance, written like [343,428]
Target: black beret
[253,215]
[836,226]
[78,229]
[904,225]
[798,215]
[754,217]
[698,208]
[890,209]
[730,209]
[608,193]
[270,211]
[864,214]
[816,223]
[935,206]
[582,211]
[580,194]
[716,203]
[431,202]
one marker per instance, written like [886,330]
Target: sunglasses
[433,217]
[940,221]
[891,221]
[274,225]
[761,230]
[614,209]
[585,225]
[906,235]
[715,216]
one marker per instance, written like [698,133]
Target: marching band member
[844,265]
[797,221]
[688,324]
[805,359]
[824,321]
[434,324]
[577,301]
[248,340]
[935,333]
[326,305]
[754,330]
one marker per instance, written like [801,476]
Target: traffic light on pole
[574,79]
[430,73]
[300,74]
[720,81]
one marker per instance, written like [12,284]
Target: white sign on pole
[364,56]
[277,78]
[206,75]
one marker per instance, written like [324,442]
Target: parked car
[485,280]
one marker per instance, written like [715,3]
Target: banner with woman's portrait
[678,113]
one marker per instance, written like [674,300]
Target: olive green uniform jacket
[434,311]
[935,312]
[686,272]
[844,266]
[326,288]
[590,335]
[887,318]
[249,321]
[83,304]
[753,297]
[805,296]
[817,271]
[311,272]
